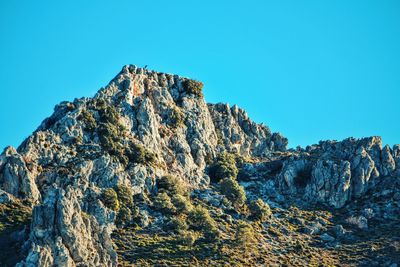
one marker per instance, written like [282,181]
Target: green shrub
[109,114]
[177,224]
[111,133]
[200,220]
[224,166]
[162,202]
[193,87]
[244,236]
[187,238]
[88,120]
[172,185]
[111,140]
[78,140]
[176,118]
[125,195]
[100,104]
[260,210]
[233,191]
[138,154]
[181,203]
[124,216]
[110,199]
[109,136]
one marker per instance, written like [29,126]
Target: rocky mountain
[147,173]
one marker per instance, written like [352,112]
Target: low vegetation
[208,236]
[175,118]
[162,202]
[14,218]
[224,166]
[244,236]
[172,185]
[260,210]
[200,220]
[193,87]
[110,199]
[233,191]
[88,120]
[125,195]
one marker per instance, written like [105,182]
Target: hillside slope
[147,173]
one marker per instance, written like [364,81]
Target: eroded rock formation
[144,125]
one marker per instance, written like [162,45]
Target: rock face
[336,172]
[144,125]
[76,153]
[238,134]
[15,177]
[330,173]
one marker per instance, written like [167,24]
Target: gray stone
[339,231]
[64,167]
[327,238]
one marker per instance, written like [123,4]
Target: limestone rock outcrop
[140,127]
[144,125]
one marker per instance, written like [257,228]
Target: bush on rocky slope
[110,140]
[233,191]
[125,195]
[162,202]
[15,219]
[175,118]
[187,238]
[88,120]
[244,236]
[177,224]
[124,216]
[182,204]
[110,199]
[138,154]
[172,185]
[260,210]
[193,87]
[224,166]
[200,220]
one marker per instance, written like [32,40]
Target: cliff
[145,126]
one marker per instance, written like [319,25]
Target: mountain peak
[146,157]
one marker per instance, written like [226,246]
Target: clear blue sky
[311,70]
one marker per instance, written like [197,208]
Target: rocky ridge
[145,125]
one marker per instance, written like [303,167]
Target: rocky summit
[146,173]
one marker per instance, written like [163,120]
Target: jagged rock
[358,221]
[330,183]
[15,177]
[313,229]
[144,125]
[66,159]
[6,198]
[294,175]
[339,231]
[327,238]
[334,173]
[368,213]
[237,133]
[68,234]
[388,163]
